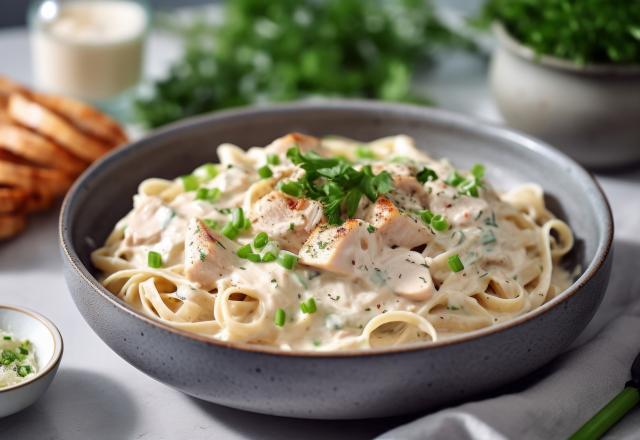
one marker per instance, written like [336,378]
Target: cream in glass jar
[89,49]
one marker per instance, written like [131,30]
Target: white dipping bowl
[47,343]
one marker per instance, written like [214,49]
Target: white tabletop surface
[97,395]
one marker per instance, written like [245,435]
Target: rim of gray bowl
[444,117]
[513,45]
[55,334]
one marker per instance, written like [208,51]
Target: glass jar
[88,49]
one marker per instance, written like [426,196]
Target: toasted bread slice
[38,149]
[12,200]
[33,179]
[85,117]
[38,202]
[11,225]
[44,121]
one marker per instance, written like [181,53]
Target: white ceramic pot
[590,112]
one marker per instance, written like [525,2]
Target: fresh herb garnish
[455,264]
[308,306]
[154,260]
[335,183]
[280,318]
[426,175]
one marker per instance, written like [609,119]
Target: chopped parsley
[335,183]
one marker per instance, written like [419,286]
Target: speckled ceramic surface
[346,384]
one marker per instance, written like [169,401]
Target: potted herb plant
[569,72]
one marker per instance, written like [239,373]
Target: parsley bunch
[335,183]
[266,51]
[584,31]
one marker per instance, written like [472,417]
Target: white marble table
[97,395]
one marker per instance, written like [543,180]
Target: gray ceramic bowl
[346,384]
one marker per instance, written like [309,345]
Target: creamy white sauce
[381,278]
[17,360]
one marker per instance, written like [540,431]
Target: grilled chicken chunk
[341,249]
[208,256]
[147,220]
[288,220]
[356,249]
[302,141]
[397,229]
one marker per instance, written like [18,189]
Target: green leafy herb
[190,182]
[260,240]
[280,318]
[308,306]
[154,259]
[230,231]
[439,223]
[206,171]
[455,264]
[265,172]
[336,184]
[273,159]
[585,31]
[287,49]
[426,175]
[287,260]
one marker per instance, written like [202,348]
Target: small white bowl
[47,343]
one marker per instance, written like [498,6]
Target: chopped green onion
[280,317]
[211,224]
[273,159]
[230,231]
[477,170]
[426,217]
[287,260]
[470,187]
[292,188]
[23,370]
[206,171]
[454,179]
[265,172]
[371,229]
[7,338]
[237,218]
[244,251]
[455,264]
[439,223]
[255,258]
[154,259]
[260,240]
[190,182]
[23,350]
[247,224]
[268,257]
[426,175]
[363,152]
[309,306]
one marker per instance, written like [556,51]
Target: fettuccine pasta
[331,244]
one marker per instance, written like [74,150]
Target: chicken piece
[346,249]
[356,250]
[288,220]
[408,193]
[208,256]
[304,142]
[397,229]
[147,220]
[406,274]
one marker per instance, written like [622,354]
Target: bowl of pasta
[336,259]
